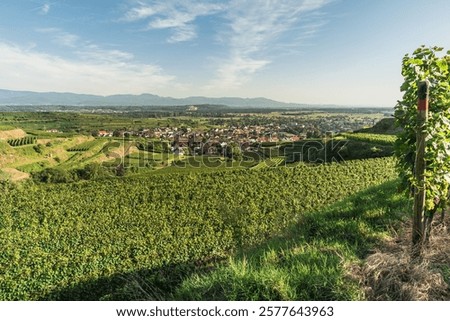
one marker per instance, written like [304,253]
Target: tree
[233,152]
[425,64]
[54,175]
[38,148]
[93,171]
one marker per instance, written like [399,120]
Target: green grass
[4,147]
[86,146]
[7,127]
[382,139]
[144,155]
[33,167]
[446,273]
[27,151]
[3,176]
[86,152]
[270,162]
[47,135]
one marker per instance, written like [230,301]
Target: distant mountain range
[19,98]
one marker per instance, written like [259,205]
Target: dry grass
[121,151]
[14,133]
[389,273]
[15,175]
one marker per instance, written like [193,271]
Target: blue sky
[345,52]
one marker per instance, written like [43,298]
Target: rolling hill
[8,97]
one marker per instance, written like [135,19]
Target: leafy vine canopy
[430,64]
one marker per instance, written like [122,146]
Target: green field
[372,138]
[73,123]
[84,147]
[70,242]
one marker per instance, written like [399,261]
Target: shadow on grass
[309,262]
[312,260]
[146,284]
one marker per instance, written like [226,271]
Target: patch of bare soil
[118,152]
[390,275]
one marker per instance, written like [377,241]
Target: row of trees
[28,140]
[91,171]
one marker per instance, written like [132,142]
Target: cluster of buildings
[214,140]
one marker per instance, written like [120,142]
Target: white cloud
[250,30]
[139,13]
[183,33]
[253,28]
[178,16]
[45,9]
[95,53]
[32,70]
[235,72]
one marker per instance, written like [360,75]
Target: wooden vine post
[418,232]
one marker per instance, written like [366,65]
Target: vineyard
[372,138]
[271,162]
[28,140]
[72,236]
[83,147]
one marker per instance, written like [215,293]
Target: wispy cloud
[178,16]
[94,52]
[86,50]
[45,9]
[61,37]
[142,11]
[103,72]
[249,30]
[254,27]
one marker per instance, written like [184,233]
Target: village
[243,132]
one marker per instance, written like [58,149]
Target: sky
[344,52]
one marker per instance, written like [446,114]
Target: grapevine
[425,64]
[57,235]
